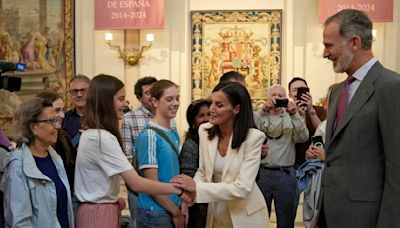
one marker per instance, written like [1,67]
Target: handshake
[188,186]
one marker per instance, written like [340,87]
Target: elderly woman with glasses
[35,184]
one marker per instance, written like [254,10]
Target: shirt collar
[363,70]
[29,166]
[146,111]
[151,123]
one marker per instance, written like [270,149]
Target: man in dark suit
[361,179]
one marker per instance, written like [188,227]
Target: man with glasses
[78,87]
[283,125]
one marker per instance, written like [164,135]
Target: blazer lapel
[230,156]
[361,96]
[212,152]
[333,102]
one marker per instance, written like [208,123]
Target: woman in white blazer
[230,153]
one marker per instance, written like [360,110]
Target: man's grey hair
[353,23]
[80,77]
[275,86]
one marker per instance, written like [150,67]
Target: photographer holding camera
[284,127]
[313,115]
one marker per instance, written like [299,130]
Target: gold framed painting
[248,42]
[39,35]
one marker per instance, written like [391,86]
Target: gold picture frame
[245,41]
[39,34]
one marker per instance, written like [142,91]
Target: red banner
[377,10]
[129,14]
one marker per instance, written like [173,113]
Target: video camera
[9,83]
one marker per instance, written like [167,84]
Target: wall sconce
[131,56]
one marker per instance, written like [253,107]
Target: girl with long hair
[101,161]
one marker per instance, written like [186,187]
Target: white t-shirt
[99,162]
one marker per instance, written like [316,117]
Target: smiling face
[222,112]
[168,104]
[145,99]
[78,91]
[120,103]
[277,93]
[58,106]
[202,116]
[45,132]
[338,49]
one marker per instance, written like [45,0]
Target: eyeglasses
[52,121]
[75,92]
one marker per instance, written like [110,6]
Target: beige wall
[307,47]
[169,56]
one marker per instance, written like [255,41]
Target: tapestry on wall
[38,34]
[248,42]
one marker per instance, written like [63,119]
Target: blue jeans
[280,185]
[132,203]
[153,219]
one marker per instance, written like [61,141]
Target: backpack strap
[165,137]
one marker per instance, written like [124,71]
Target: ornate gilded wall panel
[248,42]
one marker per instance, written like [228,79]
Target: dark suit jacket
[361,179]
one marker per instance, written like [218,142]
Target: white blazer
[238,188]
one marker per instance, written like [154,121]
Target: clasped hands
[188,186]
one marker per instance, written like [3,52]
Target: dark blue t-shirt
[47,167]
[72,124]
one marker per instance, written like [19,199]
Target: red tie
[344,94]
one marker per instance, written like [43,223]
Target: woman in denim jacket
[35,184]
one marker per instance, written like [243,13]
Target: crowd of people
[66,168]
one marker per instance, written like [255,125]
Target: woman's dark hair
[28,112]
[159,86]
[191,114]
[232,76]
[99,108]
[237,94]
[62,135]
